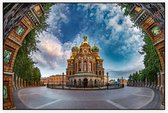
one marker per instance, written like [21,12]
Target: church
[85,67]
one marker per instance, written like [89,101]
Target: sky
[104,24]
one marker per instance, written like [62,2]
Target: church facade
[85,67]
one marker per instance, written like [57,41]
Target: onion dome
[95,48]
[72,57]
[74,49]
[97,57]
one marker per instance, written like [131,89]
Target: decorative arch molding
[14,36]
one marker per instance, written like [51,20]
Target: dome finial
[85,38]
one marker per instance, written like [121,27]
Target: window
[155,30]
[80,66]
[20,30]
[37,10]
[99,72]
[90,66]
[7,56]
[5,92]
[85,66]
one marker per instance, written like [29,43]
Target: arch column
[82,66]
[19,86]
[16,82]
[77,67]
[87,66]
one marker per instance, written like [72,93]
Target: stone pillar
[19,82]
[92,67]
[16,82]
[20,86]
[77,68]
[13,82]
[87,66]
[25,83]
[82,66]
[162,88]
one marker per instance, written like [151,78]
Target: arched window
[95,82]
[80,82]
[76,67]
[85,66]
[74,82]
[90,66]
[99,72]
[80,66]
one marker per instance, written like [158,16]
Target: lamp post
[107,80]
[63,80]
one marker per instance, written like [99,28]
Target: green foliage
[36,74]
[151,60]
[43,25]
[127,7]
[24,65]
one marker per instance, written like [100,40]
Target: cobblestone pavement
[124,98]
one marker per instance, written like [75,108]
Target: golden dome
[72,57]
[95,48]
[97,57]
[74,49]
[85,40]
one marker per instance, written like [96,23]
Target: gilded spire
[85,38]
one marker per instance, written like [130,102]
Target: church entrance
[85,82]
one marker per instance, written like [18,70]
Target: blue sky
[104,24]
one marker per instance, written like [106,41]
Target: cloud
[57,16]
[52,52]
[133,66]
[104,24]
[126,38]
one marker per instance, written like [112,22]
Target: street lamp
[63,80]
[107,80]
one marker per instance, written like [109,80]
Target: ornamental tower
[85,67]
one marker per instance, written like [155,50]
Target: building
[123,81]
[56,80]
[44,81]
[85,67]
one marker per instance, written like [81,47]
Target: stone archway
[12,43]
[71,82]
[75,83]
[15,31]
[95,83]
[85,82]
[79,83]
[90,83]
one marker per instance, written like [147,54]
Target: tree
[24,64]
[151,60]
